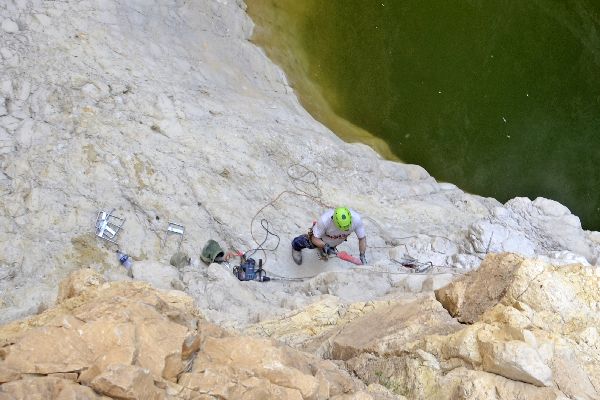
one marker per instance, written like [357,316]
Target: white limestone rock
[564,257]
[43,19]
[7,142]
[540,227]
[515,360]
[6,88]
[6,53]
[485,237]
[25,133]
[464,261]
[551,224]
[161,276]
[23,90]
[9,26]
[425,249]
[9,122]
[224,299]
[167,112]
[350,285]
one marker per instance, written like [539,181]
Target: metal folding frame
[175,229]
[108,226]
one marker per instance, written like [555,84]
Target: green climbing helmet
[342,218]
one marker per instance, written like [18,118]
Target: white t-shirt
[326,230]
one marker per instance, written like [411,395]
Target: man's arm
[362,245]
[318,242]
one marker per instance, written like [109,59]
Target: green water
[500,97]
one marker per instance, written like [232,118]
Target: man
[332,228]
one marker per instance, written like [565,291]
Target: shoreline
[310,95]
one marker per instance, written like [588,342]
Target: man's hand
[329,250]
[363,259]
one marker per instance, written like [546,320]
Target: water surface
[501,98]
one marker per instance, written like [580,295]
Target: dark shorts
[302,242]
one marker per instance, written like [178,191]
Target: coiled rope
[304,181]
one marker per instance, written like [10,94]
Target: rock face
[126,340]
[523,329]
[514,328]
[164,111]
[532,334]
[468,297]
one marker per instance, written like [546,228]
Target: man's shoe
[297,256]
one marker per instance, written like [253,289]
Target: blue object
[124,259]
[302,242]
[248,270]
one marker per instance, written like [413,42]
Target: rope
[301,175]
[415,271]
[371,271]
[298,174]
[297,178]
[265,224]
[291,279]
[392,242]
